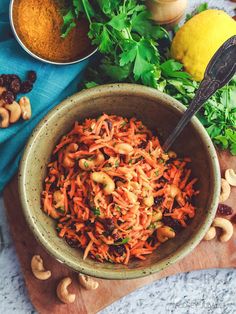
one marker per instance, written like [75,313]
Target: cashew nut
[2,102]
[58,199]
[25,106]
[67,161]
[230,176]
[2,90]
[87,164]
[105,179]
[156,215]
[62,292]
[164,233]
[148,201]
[211,233]
[131,196]
[173,190]
[38,269]
[88,282]
[123,148]
[226,226]
[4,118]
[225,190]
[15,111]
[172,154]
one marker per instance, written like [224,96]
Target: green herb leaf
[96,211]
[68,23]
[171,68]
[125,240]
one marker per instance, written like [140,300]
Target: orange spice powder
[38,24]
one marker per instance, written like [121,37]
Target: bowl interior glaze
[156,110]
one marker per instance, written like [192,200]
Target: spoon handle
[219,71]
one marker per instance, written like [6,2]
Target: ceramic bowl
[156,110]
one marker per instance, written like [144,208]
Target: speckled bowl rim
[34,55]
[127,273]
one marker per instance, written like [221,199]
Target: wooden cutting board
[212,254]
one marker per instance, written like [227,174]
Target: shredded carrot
[122,224]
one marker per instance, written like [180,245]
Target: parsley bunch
[134,49]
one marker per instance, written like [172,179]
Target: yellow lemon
[198,39]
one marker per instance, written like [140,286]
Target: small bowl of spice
[38,27]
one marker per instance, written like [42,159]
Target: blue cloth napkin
[54,83]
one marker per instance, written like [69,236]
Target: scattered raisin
[6,79]
[109,224]
[32,76]
[224,210]
[173,223]
[8,97]
[143,144]
[119,249]
[109,124]
[15,86]
[26,87]
[158,200]
[72,242]
[115,236]
[116,179]
[1,81]
[233,219]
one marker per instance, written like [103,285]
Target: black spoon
[219,71]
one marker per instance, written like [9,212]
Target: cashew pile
[11,113]
[62,291]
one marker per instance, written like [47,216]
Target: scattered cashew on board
[62,291]
[219,222]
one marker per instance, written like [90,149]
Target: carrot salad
[114,192]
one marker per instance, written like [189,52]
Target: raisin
[233,219]
[224,210]
[88,223]
[6,79]
[83,146]
[115,236]
[109,224]
[173,223]
[163,180]
[105,155]
[158,200]
[14,77]
[72,242]
[119,249]
[15,86]
[116,179]
[8,97]
[119,222]
[143,144]
[109,124]
[1,81]
[32,76]
[26,87]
